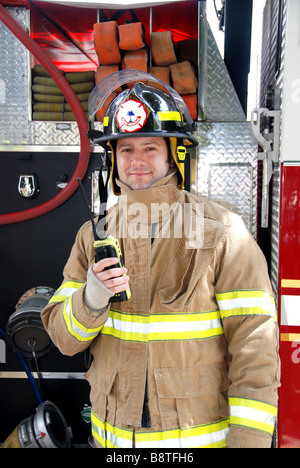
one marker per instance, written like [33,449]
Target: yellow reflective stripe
[205,436]
[105,121]
[65,291]
[126,327]
[168,116]
[75,328]
[110,436]
[185,326]
[252,302]
[252,413]
[160,327]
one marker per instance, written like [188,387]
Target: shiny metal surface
[227,167]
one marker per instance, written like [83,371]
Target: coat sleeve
[247,309]
[71,325]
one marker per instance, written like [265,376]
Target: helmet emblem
[131,116]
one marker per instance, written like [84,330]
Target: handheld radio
[106,247]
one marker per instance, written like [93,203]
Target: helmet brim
[191,139]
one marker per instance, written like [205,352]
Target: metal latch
[265,126]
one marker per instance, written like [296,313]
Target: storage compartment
[160,40]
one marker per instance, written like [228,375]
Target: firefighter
[191,358]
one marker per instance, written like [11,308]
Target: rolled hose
[82,165]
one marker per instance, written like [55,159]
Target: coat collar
[162,195]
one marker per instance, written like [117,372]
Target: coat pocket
[191,396]
[102,395]
[187,266]
[182,276]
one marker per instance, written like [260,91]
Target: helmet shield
[139,111]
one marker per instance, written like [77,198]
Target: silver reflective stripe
[75,328]
[252,302]
[213,439]
[251,413]
[163,327]
[65,290]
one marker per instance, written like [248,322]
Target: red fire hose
[76,107]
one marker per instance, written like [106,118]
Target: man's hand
[114,279]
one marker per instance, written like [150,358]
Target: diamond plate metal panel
[222,103]
[226,167]
[238,195]
[14,70]
[50,133]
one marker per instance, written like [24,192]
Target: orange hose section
[76,107]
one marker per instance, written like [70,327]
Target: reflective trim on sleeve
[75,328]
[65,291]
[240,303]
[253,414]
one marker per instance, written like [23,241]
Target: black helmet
[143,110]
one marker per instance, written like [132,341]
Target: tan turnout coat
[198,336]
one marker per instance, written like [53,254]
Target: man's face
[141,161]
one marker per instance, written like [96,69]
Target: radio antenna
[89,211]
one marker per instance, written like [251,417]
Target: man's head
[139,112]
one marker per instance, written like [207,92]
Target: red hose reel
[71,97]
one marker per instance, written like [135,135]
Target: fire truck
[245,56]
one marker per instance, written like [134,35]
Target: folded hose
[131,36]
[107,43]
